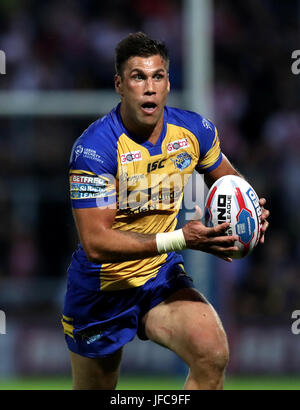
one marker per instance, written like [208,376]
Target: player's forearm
[113,245]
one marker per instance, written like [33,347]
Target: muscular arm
[102,244]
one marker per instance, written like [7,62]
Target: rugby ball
[232,199]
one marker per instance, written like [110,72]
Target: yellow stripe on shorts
[68,328]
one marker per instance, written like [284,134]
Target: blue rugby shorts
[98,323]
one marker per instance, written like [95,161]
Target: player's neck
[143,132]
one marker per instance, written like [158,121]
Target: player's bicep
[92,225]
[225,168]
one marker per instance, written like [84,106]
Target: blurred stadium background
[230,60]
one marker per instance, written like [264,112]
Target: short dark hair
[141,45]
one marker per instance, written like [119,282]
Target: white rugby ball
[232,199]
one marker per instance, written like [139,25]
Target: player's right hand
[210,240]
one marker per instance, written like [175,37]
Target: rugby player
[125,278]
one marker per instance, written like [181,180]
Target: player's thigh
[95,373]
[187,324]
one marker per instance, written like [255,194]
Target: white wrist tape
[170,241]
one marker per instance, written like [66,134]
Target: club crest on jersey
[182,161]
[245,226]
[206,124]
[132,156]
[177,145]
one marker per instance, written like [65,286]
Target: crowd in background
[70,45]
[257,112]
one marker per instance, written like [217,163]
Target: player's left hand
[265,224]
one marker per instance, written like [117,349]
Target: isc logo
[156,165]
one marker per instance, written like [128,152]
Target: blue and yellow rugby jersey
[145,182]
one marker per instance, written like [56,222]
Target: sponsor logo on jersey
[182,161]
[177,145]
[88,194]
[87,187]
[132,156]
[87,153]
[81,179]
[156,165]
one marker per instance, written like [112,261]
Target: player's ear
[169,85]
[118,84]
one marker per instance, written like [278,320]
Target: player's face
[143,88]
